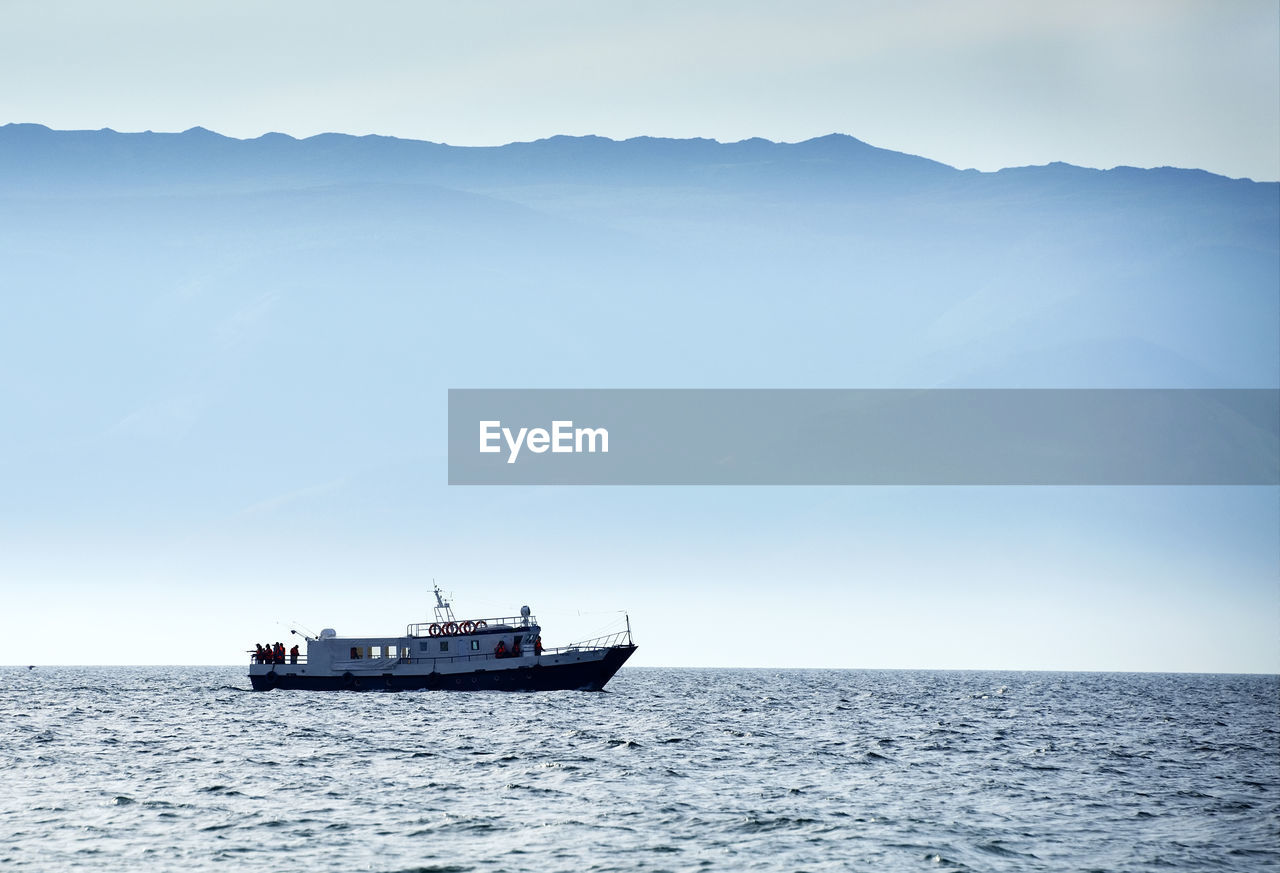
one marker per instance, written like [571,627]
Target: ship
[447,654]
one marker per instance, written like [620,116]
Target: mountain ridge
[27,148]
[871,267]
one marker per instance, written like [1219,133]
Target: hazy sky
[134,359]
[984,84]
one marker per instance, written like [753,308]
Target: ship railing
[423,628]
[621,638]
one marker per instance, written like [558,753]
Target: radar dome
[328,633]
[524,612]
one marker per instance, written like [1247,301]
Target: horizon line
[1105,671]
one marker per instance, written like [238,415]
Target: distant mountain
[34,154]
[273,303]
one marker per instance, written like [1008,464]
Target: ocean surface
[155,768]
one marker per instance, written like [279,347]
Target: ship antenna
[444,612]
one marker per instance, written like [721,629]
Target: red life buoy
[467,627]
[434,630]
[451,628]
[481,623]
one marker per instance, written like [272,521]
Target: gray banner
[863,437]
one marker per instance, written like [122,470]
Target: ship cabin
[430,644]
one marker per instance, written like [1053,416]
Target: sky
[1017,578]
[984,83]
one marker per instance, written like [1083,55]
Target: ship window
[422,646]
[356,654]
[444,645]
[475,645]
[391,652]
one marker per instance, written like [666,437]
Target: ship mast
[444,612]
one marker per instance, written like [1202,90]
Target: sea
[185,768]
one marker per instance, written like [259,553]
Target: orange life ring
[467,627]
[481,623]
[434,630]
[451,629]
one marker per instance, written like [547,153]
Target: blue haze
[223,367]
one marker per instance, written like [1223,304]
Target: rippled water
[185,769]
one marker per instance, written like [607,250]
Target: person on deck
[501,650]
[293,655]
